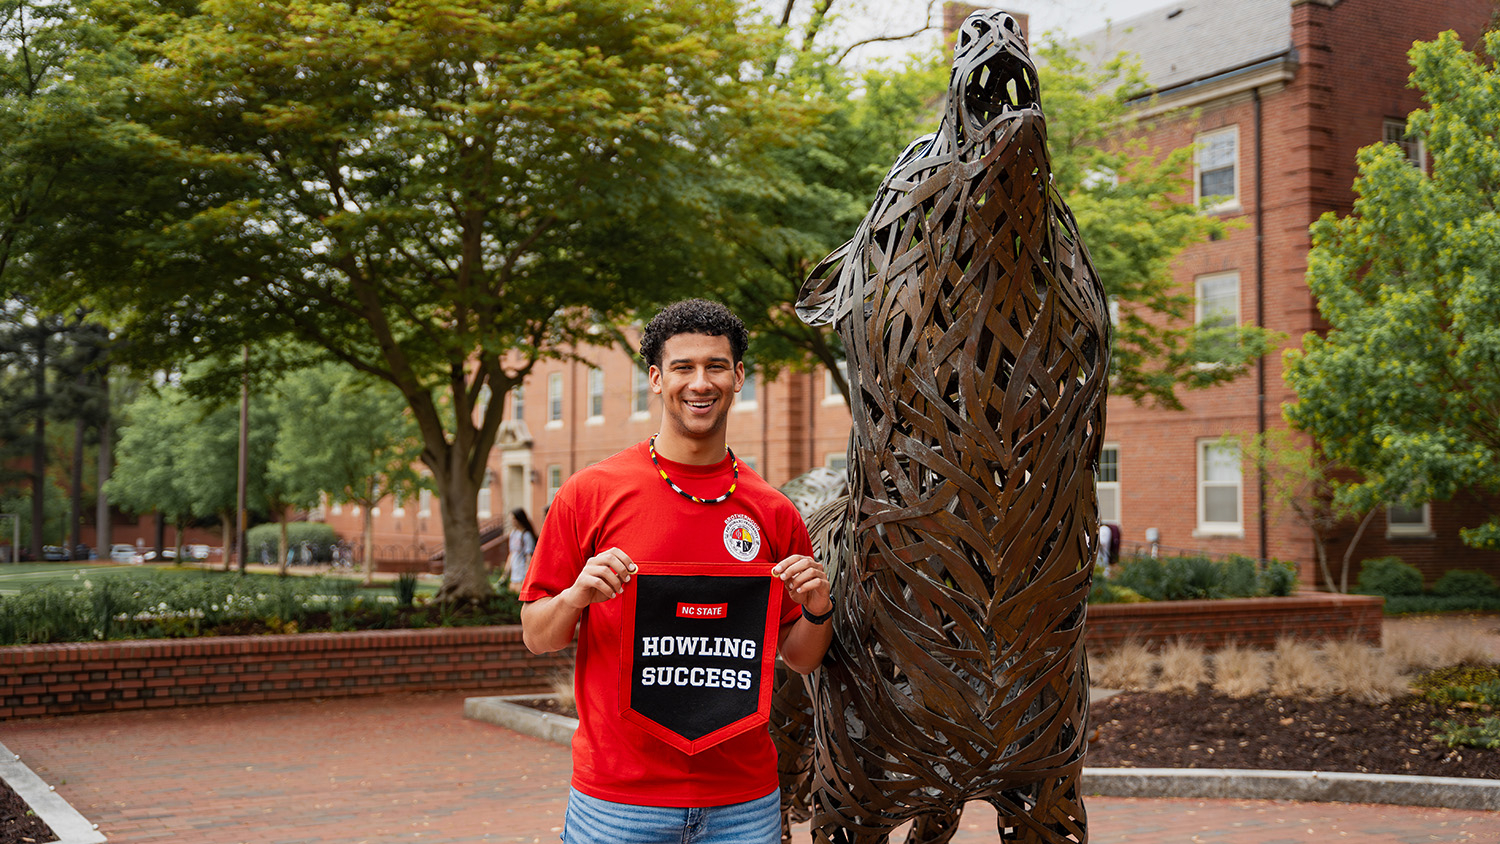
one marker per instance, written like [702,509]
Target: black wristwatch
[818,619]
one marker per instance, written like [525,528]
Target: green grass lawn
[17,577]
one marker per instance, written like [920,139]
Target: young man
[666,749]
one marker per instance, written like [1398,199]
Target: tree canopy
[1405,386]
[437,193]
[1125,195]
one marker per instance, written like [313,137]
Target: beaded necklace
[734,464]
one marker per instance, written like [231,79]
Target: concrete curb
[1307,786]
[69,826]
[1222,783]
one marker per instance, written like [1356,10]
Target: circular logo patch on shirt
[741,537]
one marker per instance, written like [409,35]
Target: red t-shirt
[623,503]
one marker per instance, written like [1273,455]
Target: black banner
[699,650]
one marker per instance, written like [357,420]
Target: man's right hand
[603,577]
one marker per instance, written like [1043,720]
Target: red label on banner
[702,610]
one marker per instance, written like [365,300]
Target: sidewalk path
[408,767]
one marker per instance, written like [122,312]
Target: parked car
[122,553]
[54,553]
[195,552]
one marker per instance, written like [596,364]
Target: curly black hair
[693,316]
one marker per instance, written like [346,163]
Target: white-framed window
[554,398]
[482,404]
[596,394]
[748,398]
[554,481]
[838,461]
[424,503]
[337,509]
[1393,131]
[1107,483]
[831,394]
[487,496]
[1217,306]
[1216,172]
[1219,488]
[1408,521]
[640,393]
[518,401]
[398,505]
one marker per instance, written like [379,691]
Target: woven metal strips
[976,331]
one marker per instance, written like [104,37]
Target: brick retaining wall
[1255,622]
[62,679]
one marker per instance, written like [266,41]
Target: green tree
[1124,194]
[438,193]
[150,470]
[1303,481]
[348,436]
[1405,386]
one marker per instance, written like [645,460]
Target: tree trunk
[225,532]
[75,488]
[103,518]
[464,575]
[367,539]
[283,545]
[1321,547]
[1349,551]
[39,447]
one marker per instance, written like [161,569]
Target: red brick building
[1278,95]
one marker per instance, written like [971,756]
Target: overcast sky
[1072,17]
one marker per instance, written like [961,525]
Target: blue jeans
[593,821]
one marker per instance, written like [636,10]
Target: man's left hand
[806,582]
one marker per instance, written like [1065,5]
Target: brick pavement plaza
[408,767]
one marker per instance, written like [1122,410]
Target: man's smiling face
[697,380]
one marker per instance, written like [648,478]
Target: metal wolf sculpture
[977,337]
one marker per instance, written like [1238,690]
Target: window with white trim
[1219,488]
[1216,178]
[596,394]
[1217,306]
[747,398]
[554,481]
[1107,483]
[831,394]
[424,503]
[1393,131]
[1408,521]
[486,496]
[518,401]
[398,506]
[838,461]
[640,392]
[554,398]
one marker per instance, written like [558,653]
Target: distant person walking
[522,543]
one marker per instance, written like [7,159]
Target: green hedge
[318,535]
[1460,590]
[167,604]
[1388,576]
[1193,577]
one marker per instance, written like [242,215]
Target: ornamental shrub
[316,534]
[1464,583]
[1388,576]
[1278,579]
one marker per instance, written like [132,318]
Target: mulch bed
[1206,730]
[17,824]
